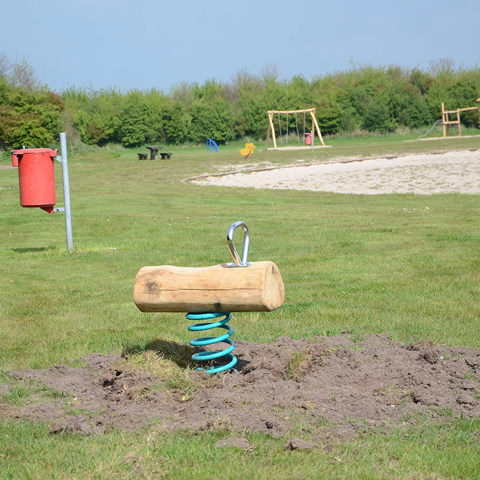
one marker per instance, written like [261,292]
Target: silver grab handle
[246,244]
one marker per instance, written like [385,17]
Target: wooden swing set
[271,126]
[446,120]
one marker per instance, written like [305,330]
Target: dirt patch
[339,384]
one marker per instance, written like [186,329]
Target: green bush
[377,118]
[211,119]
[407,106]
[377,99]
[176,122]
[134,117]
[28,117]
[95,115]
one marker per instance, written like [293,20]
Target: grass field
[402,264]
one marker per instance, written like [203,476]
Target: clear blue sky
[154,43]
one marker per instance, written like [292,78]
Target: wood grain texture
[306,110]
[221,288]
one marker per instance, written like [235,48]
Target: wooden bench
[142,156]
[165,155]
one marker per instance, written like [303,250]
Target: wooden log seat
[142,156]
[221,288]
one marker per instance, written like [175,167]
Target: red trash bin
[308,138]
[36,175]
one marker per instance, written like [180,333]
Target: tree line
[372,99]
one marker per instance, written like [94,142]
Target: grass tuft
[301,362]
[24,392]
[181,381]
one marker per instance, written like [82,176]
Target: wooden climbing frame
[446,120]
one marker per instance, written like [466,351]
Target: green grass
[408,265]
[20,393]
[424,452]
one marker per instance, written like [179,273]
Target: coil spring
[198,342]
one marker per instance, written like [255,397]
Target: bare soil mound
[341,384]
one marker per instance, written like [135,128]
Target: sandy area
[442,172]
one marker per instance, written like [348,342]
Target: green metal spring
[203,341]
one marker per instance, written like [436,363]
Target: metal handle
[246,244]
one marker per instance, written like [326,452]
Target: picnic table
[154,151]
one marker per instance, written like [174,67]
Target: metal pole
[66,192]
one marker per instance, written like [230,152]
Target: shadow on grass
[32,249]
[178,353]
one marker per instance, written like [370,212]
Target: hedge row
[376,99]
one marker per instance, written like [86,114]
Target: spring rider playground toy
[210,294]
[247,150]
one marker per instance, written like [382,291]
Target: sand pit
[424,174]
